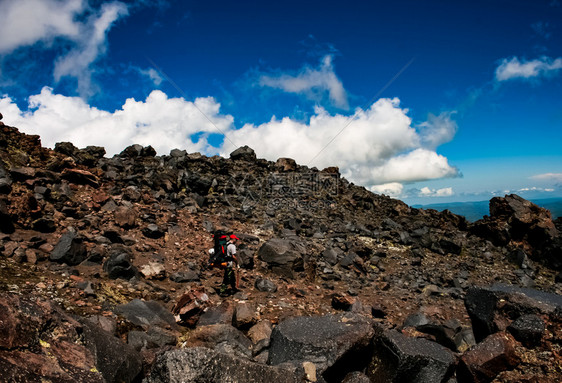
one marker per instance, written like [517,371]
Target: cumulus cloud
[437,130]
[312,82]
[379,146]
[27,22]
[513,68]
[165,123]
[444,192]
[89,46]
[392,189]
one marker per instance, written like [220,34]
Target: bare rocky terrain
[104,275]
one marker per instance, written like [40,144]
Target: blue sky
[428,102]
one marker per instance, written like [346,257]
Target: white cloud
[311,82]
[437,130]
[444,192]
[152,74]
[392,189]
[25,22]
[513,68]
[165,123]
[89,46]
[380,146]
[549,177]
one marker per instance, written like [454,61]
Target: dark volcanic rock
[119,264]
[244,153]
[283,256]
[528,329]
[153,231]
[337,344]
[223,337]
[117,361]
[70,249]
[265,285]
[146,314]
[490,357]
[6,224]
[398,358]
[489,316]
[200,364]
[221,314]
[185,276]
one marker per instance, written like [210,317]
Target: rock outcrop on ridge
[104,275]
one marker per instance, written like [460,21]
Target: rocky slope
[104,275]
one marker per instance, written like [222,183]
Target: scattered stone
[528,329]
[221,314]
[119,264]
[261,331]
[185,276]
[153,270]
[80,177]
[221,337]
[70,249]
[490,357]
[265,285]
[153,231]
[245,316]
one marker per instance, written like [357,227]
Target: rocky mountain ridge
[338,284]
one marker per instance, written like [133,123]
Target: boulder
[492,309]
[336,344]
[70,249]
[398,358]
[283,256]
[490,357]
[119,264]
[245,316]
[146,314]
[125,217]
[200,364]
[221,314]
[190,306]
[221,337]
[261,331]
[265,285]
[286,165]
[153,338]
[528,329]
[185,276]
[153,270]
[6,224]
[244,153]
[117,361]
[153,231]
[5,180]
[80,177]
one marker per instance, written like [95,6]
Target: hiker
[229,278]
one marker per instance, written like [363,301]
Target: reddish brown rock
[490,357]
[80,177]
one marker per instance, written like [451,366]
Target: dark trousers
[229,278]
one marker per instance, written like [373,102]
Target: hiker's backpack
[221,242]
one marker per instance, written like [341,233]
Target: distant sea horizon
[473,211]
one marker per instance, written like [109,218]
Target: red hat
[232,236]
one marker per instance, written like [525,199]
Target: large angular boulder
[117,361]
[492,309]
[6,224]
[336,344]
[398,358]
[5,181]
[283,256]
[244,153]
[70,249]
[199,364]
[146,314]
[490,357]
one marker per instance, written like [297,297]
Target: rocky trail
[104,275]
